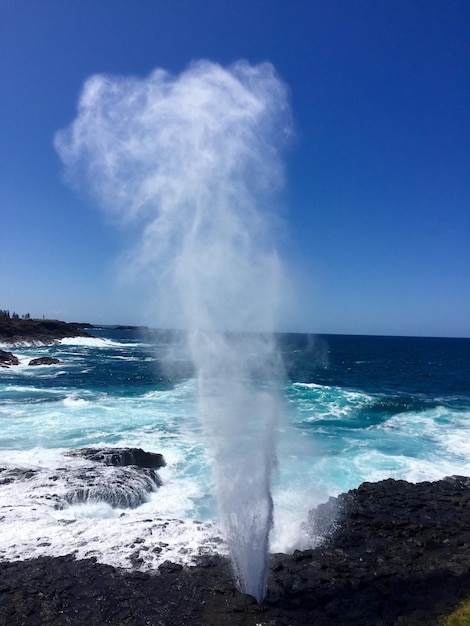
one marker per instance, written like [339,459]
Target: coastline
[20,331]
[395,553]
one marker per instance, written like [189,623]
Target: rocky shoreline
[394,553]
[19,331]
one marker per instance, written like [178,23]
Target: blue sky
[377,196]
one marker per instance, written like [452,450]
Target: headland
[17,331]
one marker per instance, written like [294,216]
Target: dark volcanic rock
[121,488]
[397,554]
[129,484]
[11,474]
[7,359]
[44,360]
[121,456]
[17,331]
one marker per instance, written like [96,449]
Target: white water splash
[194,162]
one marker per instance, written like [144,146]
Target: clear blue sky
[377,202]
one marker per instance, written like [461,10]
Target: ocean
[354,409]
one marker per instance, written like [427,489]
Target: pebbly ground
[394,553]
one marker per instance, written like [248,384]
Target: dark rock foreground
[397,553]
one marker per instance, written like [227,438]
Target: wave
[309,386]
[23,343]
[333,438]
[15,392]
[73,401]
[90,342]
[442,430]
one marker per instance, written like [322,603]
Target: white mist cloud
[194,161]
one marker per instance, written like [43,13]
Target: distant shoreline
[17,331]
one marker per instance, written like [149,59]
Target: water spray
[194,162]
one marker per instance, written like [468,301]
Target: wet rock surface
[123,488]
[121,456]
[44,360]
[7,359]
[121,477]
[394,553]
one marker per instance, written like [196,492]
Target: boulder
[123,488]
[44,360]
[129,485]
[7,359]
[121,456]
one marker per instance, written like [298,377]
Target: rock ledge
[394,554]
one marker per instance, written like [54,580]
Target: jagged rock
[7,359]
[44,360]
[120,487]
[123,488]
[129,485]
[121,456]
[398,554]
[11,474]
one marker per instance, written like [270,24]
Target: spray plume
[194,161]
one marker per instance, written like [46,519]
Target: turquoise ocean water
[355,409]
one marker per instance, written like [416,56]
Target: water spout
[194,161]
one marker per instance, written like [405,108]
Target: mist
[192,164]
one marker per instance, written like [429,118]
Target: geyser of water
[194,161]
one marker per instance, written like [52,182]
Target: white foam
[310,386]
[448,431]
[100,342]
[86,510]
[143,537]
[91,342]
[9,346]
[315,461]
[290,513]
[73,401]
